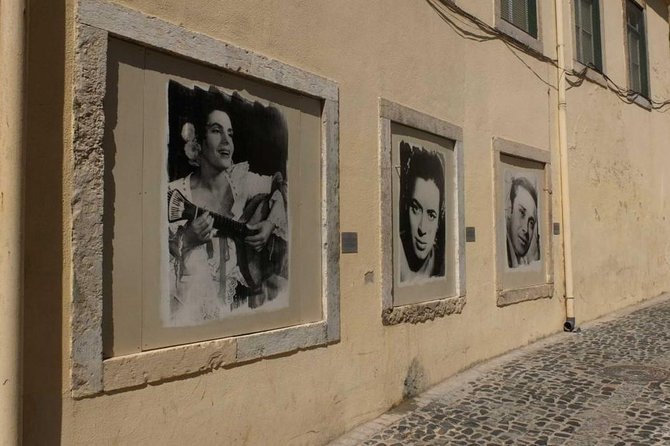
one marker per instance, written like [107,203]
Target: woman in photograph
[209,278]
[421,214]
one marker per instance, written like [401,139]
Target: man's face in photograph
[522,222]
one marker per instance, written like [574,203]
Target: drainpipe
[563,155]
[12,64]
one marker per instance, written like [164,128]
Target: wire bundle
[462,23]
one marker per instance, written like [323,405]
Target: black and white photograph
[421,214]
[521,197]
[227,205]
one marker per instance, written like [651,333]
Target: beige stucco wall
[402,51]
[12,55]
[619,177]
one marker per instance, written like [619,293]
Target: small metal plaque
[470,234]
[557,228]
[349,242]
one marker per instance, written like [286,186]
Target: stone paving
[608,384]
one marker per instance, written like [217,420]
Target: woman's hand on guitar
[260,238]
[199,231]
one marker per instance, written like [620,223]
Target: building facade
[542,203]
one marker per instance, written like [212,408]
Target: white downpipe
[12,65]
[563,154]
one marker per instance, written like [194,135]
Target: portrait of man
[227,205]
[421,213]
[521,219]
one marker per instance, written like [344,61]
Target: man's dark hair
[526,184]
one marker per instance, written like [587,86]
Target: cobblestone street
[607,384]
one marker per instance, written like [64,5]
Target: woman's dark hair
[205,103]
[417,162]
[261,131]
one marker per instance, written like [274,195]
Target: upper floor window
[521,13]
[638,77]
[587,33]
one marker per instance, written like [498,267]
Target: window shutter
[586,25]
[578,30]
[588,44]
[644,77]
[597,42]
[532,18]
[637,49]
[520,13]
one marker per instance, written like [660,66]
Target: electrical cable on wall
[480,31]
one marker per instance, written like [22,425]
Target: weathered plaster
[87,205]
[618,162]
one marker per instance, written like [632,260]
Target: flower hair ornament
[191,147]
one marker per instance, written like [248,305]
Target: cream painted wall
[402,51]
[618,166]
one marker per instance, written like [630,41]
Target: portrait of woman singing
[421,214]
[227,224]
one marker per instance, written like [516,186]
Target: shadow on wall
[415,381]
[659,7]
[42,350]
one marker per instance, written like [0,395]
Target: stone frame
[96,21]
[538,291]
[418,312]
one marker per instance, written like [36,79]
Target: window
[587,33]
[637,49]
[521,13]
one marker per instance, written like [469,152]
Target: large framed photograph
[228,213]
[206,219]
[420,207]
[229,158]
[423,215]
[523,215]
[522,218]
